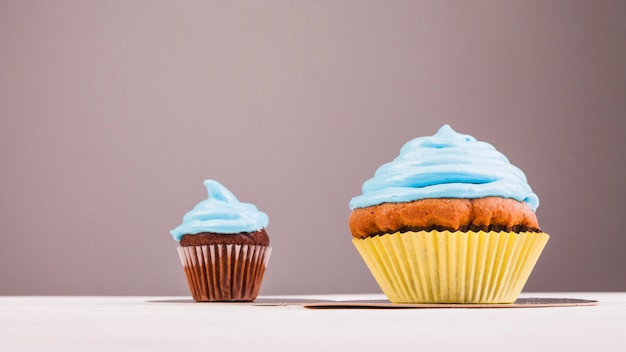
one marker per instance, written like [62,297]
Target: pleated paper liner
[452,267]
[224,272]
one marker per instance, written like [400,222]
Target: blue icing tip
[217,191]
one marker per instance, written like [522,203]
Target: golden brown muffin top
[452,214]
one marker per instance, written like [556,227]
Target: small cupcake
[224,248]
[450,220]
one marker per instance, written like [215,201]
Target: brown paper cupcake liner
[224,272]
[452,267]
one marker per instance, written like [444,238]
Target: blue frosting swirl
[221,213]
[445,165]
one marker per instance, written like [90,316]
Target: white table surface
[137,323]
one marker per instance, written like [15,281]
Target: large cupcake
[224,247]
[450,220]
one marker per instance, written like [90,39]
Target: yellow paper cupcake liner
[452,267]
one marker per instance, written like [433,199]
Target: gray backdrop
[114,112]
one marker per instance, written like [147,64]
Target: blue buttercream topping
[221,213]
[445,165]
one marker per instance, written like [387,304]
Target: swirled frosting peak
[221,213]
[445,165]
